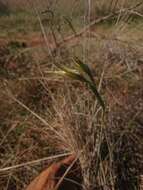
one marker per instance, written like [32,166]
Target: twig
[97,21]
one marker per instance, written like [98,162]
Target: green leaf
[95,91]
[91,83]
[74,74]
[85,68]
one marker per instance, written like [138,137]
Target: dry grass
[44,115]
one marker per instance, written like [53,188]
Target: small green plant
[82,73]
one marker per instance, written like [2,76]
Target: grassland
[44,114]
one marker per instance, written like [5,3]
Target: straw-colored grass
[82,95]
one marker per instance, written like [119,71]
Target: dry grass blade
[33,113]
[34,162]
[62,178]
[70,25]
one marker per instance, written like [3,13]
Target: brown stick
[88,27]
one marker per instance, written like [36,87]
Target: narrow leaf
[77,76]
[95,91]
[70,73]
[85,68]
